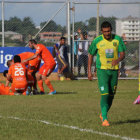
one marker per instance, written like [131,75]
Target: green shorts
[107,81]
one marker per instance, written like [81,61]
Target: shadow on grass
[70,92]
[127,121]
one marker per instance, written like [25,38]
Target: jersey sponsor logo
[102,45]
[102,88]
[115,44]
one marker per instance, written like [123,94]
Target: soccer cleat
[35,92]
[52,93]
[105,123]
[137,101]
[101,117]
[28,91]
[42,93]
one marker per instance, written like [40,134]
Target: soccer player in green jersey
[110,50]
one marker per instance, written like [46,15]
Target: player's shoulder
[116,37]
[98,39]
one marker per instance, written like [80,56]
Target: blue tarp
[7,53]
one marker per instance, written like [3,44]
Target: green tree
[13,24]
[92,24]
[80,25]
[51,26]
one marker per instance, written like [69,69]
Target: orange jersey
[18,72]
[35,62]
[45,54]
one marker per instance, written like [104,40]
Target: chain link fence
[128,27]
[43,21]
[50,24]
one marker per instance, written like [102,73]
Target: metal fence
[99,12]
[21,21]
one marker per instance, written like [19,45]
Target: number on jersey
[19,72]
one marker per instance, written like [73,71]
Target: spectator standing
[83,54]
[76,45]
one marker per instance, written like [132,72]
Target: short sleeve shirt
[45,54]
[106,51]
[18,72]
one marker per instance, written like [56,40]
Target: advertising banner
[7,53]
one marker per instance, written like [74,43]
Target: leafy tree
[13,24]
[80,25]
[92,22]
[52,26]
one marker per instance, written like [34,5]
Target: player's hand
[80,50]
[95,74]
[90,76]
[79,31]
[23,61]
[115,62]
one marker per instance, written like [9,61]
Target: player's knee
[38,76]
[44,77]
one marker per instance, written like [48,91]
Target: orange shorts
[46,70]
[22,86]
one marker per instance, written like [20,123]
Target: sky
[41,12]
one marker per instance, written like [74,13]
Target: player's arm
[121,57]
[7,83]
[90,60]
[9,78]
[31,58]
[56,49]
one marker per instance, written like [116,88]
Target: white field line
[119,91]
[73,127]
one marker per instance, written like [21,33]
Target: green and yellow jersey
[106,51]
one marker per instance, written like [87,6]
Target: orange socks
[49,85]
[40,85]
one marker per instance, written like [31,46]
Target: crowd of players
[25,73]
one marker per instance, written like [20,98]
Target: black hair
[33,41]
[84,33]
[17,59]
[106,24]
[5,72]
[8,63]
[62,38]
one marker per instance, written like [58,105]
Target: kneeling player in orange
[18,74]
[32,67]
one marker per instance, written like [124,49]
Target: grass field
[71,114]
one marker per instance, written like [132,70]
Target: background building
[129,26]
[13,35]
[50,36]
